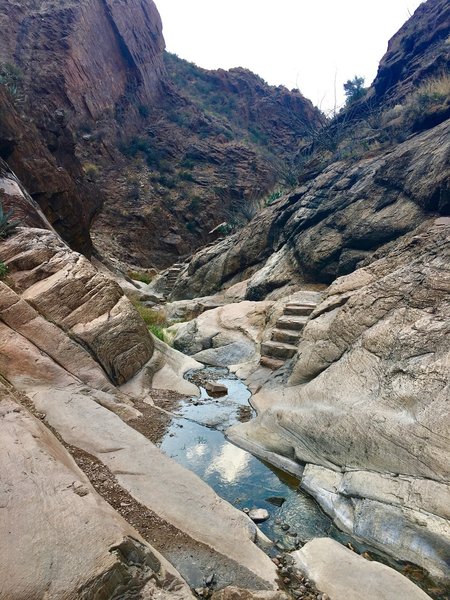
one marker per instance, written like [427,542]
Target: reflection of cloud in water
[230,463]
[197,451]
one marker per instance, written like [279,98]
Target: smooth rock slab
[344,575]
[59,539]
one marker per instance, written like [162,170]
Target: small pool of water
[195,439]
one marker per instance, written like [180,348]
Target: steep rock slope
[57,557]
[91,75]
[67,203]
[333,222]
[419,50]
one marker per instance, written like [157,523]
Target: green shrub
[10,76]
[140,276]
[195,204]
[144,111]
[154,319]
[272,197]
[186,176]
[7,227]
[167,181]
[3,270]
[157,331]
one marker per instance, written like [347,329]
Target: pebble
[277,521]
[286,580]
[276,561]
[284,526]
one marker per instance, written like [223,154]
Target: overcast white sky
[304,44]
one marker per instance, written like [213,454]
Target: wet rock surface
[375,350]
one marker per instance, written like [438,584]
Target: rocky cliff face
[332,223]
[68,205]
[91,75]
[418,51]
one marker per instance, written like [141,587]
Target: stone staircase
[172,276]
[286,334]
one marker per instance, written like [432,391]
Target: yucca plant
[7,226]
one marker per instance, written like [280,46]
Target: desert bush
[432,96]
[3,270]
[11,77]
[7,226]
[195,204]
[354,90]
[155,320]
[144,111]
[140,276]
[272,197]
[435,90]
[186,176]
[91,170]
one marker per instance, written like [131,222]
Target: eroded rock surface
[331,224]
[344,575]
[61,539]
[67,336]
[65,289]
[368,401]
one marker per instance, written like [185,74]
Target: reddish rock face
[67,206]
[419,50]
[84,57]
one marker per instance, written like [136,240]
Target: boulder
[344,575]
[225,336]
[258,515]
[217,389]
[65,289]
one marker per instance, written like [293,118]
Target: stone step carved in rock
[278,349]
[292,322]
[299,309]
[271,363]
[287,336]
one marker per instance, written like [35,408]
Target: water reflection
[230,464]
[236,475]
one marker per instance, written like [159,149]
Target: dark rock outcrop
[332,223]
[419,50]
[68,205]
[167,165]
